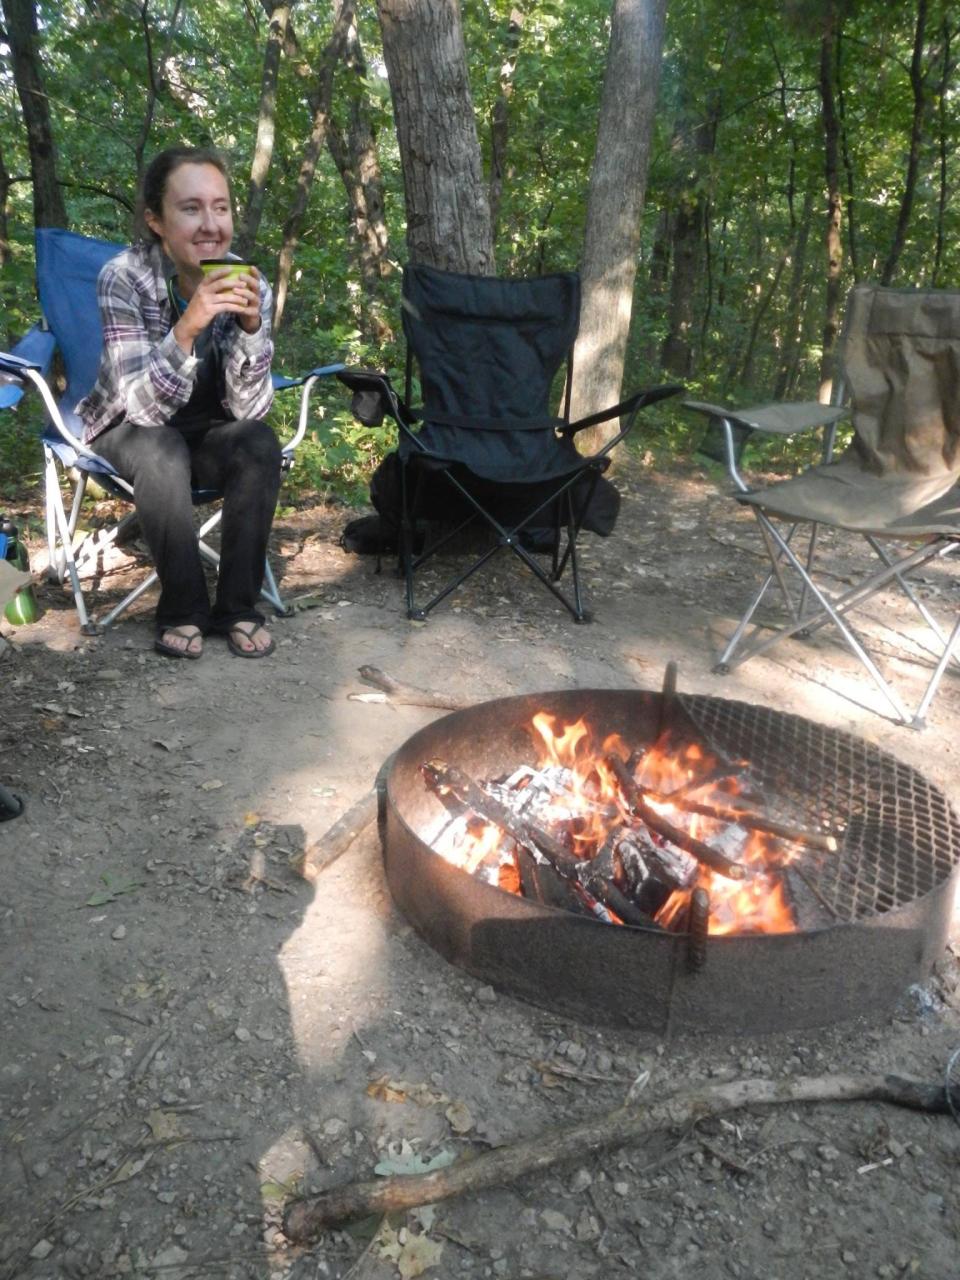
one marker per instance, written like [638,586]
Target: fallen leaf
[164,1125]
[114,886]
[386,1090]
[211,784]
[417,1255]
[251,819]
[413,1163]
[459,1116]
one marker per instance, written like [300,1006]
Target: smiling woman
[183,383]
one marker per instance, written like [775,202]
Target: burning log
[747,818]
[638,804]
[305,1219]
[445,779]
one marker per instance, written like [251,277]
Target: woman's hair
[153,185]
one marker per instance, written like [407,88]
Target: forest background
[793,149]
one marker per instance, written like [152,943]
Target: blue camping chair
[67,269]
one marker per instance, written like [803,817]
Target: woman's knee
[257,445]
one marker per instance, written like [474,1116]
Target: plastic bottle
[23,607]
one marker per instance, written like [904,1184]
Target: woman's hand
[217,292]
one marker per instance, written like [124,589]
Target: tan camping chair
[895,484]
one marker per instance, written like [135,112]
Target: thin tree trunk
[831,134]
[500,117]
[319,98]
[913,156]
[746,371]
[266,128]
[793,323]
[5,184]
[847,162]
[20,19]
[448,213]
[689,233]
[943,150]
[153,86]
[618,182]
[354,153]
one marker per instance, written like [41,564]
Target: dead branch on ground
[305,1219]
[410,695]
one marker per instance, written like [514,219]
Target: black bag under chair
[488,450]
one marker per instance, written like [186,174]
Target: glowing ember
[625,835]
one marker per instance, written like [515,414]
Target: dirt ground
[191,1034]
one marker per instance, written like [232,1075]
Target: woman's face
[196,220]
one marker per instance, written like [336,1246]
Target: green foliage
[739,138]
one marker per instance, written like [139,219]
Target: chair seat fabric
[900,473]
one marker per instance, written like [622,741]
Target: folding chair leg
[919,719]
[834,610]
[62,561]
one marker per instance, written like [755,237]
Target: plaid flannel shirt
[144,375]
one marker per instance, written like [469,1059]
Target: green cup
[215,264]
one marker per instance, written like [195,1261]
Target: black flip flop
[239,652]
[171,651]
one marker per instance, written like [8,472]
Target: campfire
[672,837]
[670,862]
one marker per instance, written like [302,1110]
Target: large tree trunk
[792,323]
[913,154]
[20,19]
[448,213]
[266,128]
[618,183]
[831,143]
[943,151]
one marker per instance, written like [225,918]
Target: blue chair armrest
[281,383]
[34,351]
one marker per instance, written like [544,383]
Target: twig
[336,840]
[142,1064]
[410,695]
[305,1218]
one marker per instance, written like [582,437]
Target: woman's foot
[249,639]
[180,642]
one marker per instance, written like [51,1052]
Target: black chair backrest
[488,349]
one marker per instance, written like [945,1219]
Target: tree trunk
[448,213]
[153,84]
[913,155]
[5,185]
[847,163]
[792,324]
[20,19]
[354,152]
[831,135]
[319,99]
[266,128]
[500,117]
[618,183]
[943,150]
[695,140]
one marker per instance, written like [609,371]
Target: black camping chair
[489,450]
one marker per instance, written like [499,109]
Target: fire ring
[875,920]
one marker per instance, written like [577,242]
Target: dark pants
[239,459]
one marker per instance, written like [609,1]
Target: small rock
[40,1169]
[580,1181]
[487,995]
[848,1257]
[42,1249]
[828,1153]
[555,1221]
[242,1034]
[119,933]
[896,1149]
[621,1189]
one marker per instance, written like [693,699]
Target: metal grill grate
[900,837]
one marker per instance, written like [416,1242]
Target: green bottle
[23,607]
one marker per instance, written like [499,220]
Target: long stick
[304,1219]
